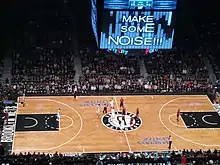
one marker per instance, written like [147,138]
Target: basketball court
[79,129]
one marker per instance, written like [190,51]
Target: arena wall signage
[7,135]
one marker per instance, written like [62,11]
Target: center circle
[120,122]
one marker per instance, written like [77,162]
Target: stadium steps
[6,70]
[143,69]
[212,76]
[78,68]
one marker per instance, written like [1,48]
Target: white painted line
[203,119]
[209,101]
[31,118]
[52,97]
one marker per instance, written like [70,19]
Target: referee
[75,92]
[170,142]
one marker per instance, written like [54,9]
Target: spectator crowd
[185,157]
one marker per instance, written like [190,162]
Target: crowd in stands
[177,71]
[44,62]
[107,72]
[49,71]
[185,157]
[167,71]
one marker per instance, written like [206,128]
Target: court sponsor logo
[9,128]
[121,122]
[7,135]
[154,140]
[195,104]
[94,103]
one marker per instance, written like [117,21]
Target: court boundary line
[121,151]
[210,101]
[52,97]
[126,137]
[51,148]
[181,137]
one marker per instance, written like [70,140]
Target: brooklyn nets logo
[121,122]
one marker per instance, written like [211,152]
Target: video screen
[137,29]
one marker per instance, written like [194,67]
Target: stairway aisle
[6,70]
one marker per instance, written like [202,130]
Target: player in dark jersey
[137,112]
[105,109]
[131,120]
[121,103]
[123,111]
[178,115]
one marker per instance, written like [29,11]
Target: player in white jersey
[98,110]
[112,113]
[58,115]
[111,103]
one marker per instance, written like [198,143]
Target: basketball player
[121,103]
[170,142]
[75,92]
[123,111]
[111,103]
[131,120]
[98,110]
[58,115]
[137,112]
[104,109]
[178,115]
[112,113]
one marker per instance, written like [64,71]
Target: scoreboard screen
[140,4]
[137,29]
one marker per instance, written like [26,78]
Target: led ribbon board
[140,4]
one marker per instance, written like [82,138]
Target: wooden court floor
[81,131]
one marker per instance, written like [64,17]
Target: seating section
[44,63]
[107,72]
[48,71]
[208,33]
[176,71]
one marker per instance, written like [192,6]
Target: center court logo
[120,122]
